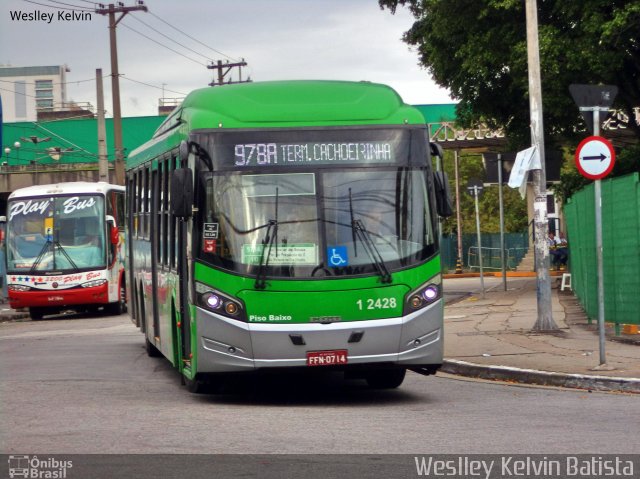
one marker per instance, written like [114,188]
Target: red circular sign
[595,157]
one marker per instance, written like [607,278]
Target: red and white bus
[65,248]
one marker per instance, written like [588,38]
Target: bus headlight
[18,287]
[219,303]
[93,284]
[426,294]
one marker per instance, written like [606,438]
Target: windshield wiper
[267,242]
[270,238]
[45,250]
[359,231]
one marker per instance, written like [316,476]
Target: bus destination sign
[309,154]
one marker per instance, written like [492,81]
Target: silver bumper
[226,345]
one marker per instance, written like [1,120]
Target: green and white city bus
[288,224]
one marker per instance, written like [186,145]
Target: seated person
[553,250]
[562,250]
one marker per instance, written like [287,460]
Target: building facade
[26,91]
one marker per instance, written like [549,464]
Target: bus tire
[198,385]
[120,306]
[385,378]
[152,351]
[37,313]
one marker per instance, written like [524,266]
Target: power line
[153,86]
[19,93]
[169,38]
[70,5]
[53,6]
[56,83]
[162,45]
[194,39]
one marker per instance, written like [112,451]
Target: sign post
[475,187]
[595,158]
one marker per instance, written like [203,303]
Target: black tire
[37,313]
[152,351]
[386,378]
[120,306]
[198,385]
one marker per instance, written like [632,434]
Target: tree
[515,208]
[478,51]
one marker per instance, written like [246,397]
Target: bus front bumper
[58,298]
[226,345]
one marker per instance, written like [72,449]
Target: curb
[542,378]
[498,274]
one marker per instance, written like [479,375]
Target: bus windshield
[307,222]
[56,234]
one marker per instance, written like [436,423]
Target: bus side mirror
[443,197]
[436,150]
[182,192]
[114,232]
[115,235]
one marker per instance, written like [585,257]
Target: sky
[279,39]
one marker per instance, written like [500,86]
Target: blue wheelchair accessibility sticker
[337,256]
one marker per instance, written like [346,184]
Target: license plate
[327,358]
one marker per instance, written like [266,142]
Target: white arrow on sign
[595,157]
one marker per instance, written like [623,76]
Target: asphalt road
[86,385]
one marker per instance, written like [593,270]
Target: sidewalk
[492,338]
[8,314]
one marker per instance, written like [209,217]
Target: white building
[28,90]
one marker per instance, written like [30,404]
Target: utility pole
[544,321]
[111,10]
[224,69]
[103,163]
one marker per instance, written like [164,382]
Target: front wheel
[37,313]
[120,306]
[385,378]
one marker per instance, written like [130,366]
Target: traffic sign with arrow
[595,157]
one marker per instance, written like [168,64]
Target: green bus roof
[296,103]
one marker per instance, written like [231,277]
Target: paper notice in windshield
[303,254]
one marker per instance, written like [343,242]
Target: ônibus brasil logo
[33,467]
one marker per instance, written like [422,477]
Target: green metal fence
[516,246]
[621,248]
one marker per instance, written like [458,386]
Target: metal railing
[491,258]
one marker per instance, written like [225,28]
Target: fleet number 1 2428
[378,303]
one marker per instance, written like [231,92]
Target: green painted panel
[78,136]
[301,300]
[304,307]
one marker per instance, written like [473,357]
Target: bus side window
[119,216]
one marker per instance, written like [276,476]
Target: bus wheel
[37,313]
[385,378]
[152,351]
[120,306]
[198,385]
